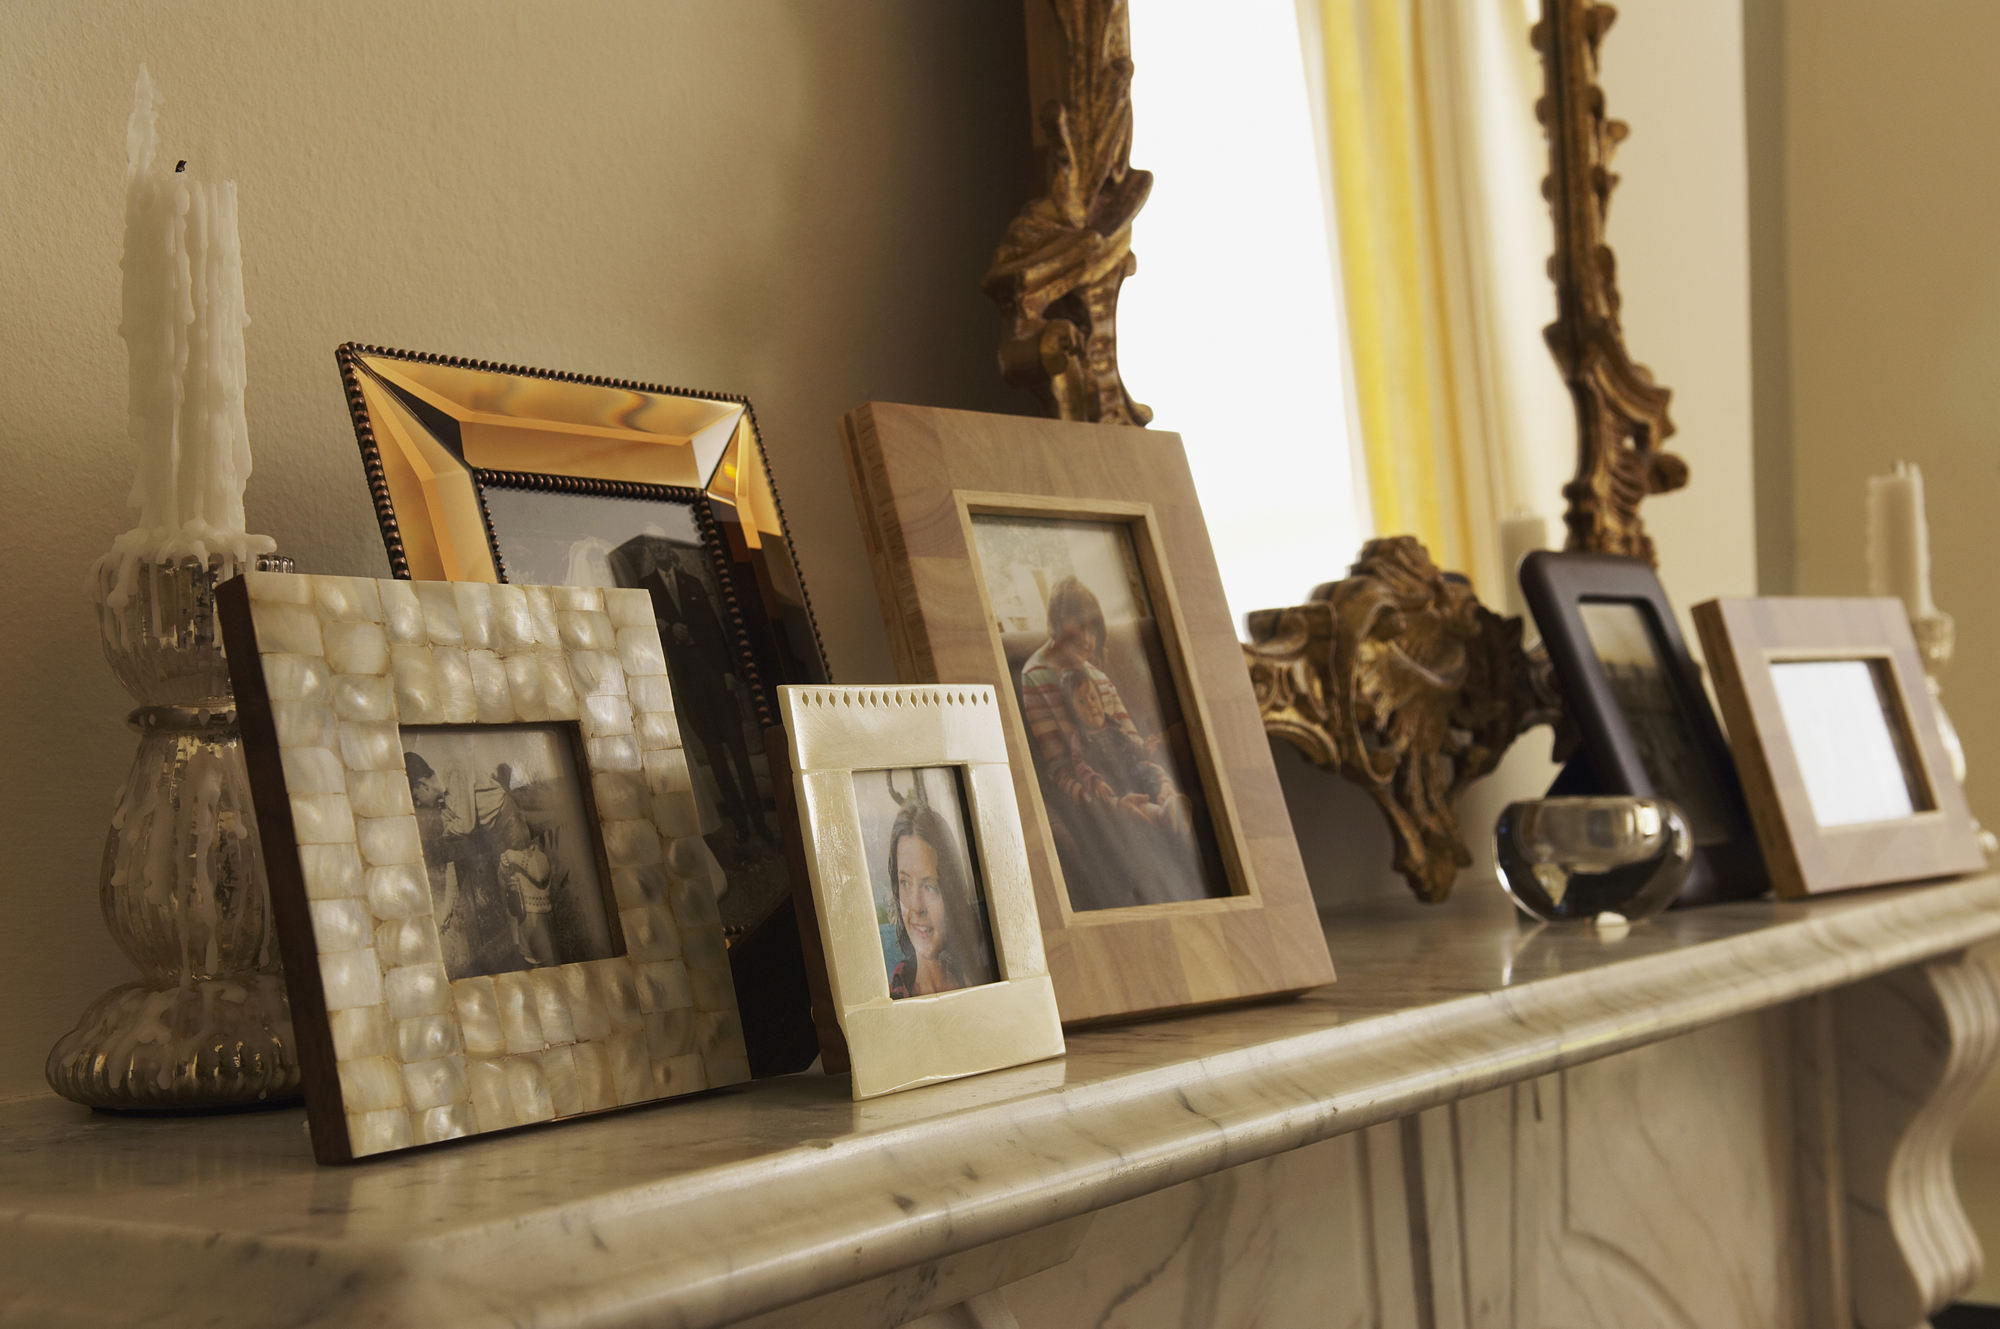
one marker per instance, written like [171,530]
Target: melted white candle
[183,321]
[1899,554]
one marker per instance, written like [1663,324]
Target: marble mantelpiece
[752,1199]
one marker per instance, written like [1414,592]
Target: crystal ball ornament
[1577,860]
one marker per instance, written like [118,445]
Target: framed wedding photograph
[500,474]
[1848,780]
[920,883]
[1066,566]
[1633,691]
[487,875]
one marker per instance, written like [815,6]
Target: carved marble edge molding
[1398,678]
[724,1242]
[1621,412]
[1913,1047]
[1058,269]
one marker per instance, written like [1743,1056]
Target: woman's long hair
[966,954]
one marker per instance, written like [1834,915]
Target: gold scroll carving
[1621,412]
[1398,678]
[1058,269]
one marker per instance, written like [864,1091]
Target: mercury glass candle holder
[206,1027]
[1580,860]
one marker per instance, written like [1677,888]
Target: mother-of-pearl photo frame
[393,1052]
[837,736]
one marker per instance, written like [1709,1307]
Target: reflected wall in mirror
[484,472]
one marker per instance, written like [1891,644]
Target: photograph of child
[1104,725]
[508,848]
[1109,751]
[931,913]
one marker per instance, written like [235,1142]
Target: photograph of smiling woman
[942,939]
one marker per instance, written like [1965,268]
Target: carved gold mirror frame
[1058,269]
[1621,413]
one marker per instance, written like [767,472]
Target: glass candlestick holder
[207,1026]
[1606,860]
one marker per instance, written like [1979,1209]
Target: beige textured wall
[1893,202]
[790,199]
[1890,217]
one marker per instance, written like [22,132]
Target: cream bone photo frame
[334,677]
[840,737]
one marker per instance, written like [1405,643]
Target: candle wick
[182,167]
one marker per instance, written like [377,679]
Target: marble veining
[752,1198]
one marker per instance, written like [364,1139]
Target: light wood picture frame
[1846,776]
[924,478]
[998,1006]
[421,1013]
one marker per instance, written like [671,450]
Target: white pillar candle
[1520,535]
[1899,554]
[182,321]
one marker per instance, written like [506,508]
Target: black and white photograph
[560,539]
[1111,751]
[1623,642]
[510,847]
[930,909]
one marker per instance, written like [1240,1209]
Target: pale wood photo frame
[1927,830]
[921,477]
[335,679]
[838,736]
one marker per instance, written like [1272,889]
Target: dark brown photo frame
[1558,586]
[446,440]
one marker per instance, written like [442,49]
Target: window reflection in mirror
[1231,330]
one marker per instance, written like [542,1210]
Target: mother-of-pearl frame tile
[832,732]
[392,1052]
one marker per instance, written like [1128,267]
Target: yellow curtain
[1386,215]
[1429,135]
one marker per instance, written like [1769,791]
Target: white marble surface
[758,1196]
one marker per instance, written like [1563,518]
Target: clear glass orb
[1576,860]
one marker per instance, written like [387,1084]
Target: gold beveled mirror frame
[439,433]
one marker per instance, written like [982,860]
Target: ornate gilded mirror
[1396,676]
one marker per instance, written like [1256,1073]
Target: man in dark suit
[702,664]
